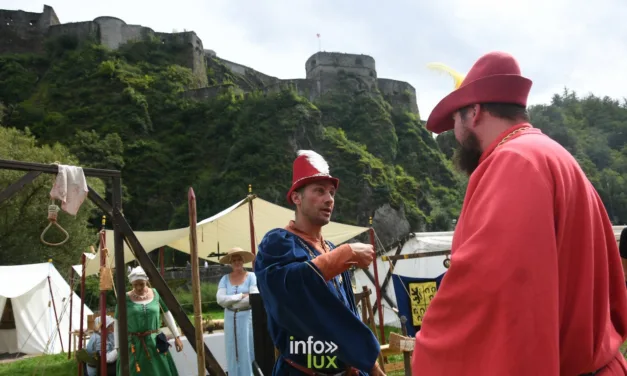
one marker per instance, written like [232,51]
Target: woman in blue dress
[233,291]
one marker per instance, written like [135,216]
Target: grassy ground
[51,365]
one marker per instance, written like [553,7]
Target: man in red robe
[535,285]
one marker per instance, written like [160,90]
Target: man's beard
[467,154]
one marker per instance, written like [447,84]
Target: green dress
[143,318]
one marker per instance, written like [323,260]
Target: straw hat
[246,256]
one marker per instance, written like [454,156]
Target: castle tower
[327,68]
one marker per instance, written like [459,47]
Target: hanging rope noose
[53,212]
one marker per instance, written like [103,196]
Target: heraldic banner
[413,296]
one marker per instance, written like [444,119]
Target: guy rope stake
[53,212]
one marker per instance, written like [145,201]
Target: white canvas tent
[425,267]
[35,330]
[230,228]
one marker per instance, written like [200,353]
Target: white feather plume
[315,160]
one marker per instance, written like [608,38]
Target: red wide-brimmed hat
[309,166]
[494,78]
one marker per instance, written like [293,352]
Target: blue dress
[238,324]
[313,323]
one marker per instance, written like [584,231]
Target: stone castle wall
[26,32]
[398,93]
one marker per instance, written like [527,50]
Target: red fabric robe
[535,285]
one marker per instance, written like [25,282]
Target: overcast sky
[578,44]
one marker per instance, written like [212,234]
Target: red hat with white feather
[308,167]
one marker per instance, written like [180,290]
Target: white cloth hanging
[70,187]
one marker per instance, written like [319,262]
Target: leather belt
[142,336]
[239,309]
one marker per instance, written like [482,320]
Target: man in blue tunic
[305,285]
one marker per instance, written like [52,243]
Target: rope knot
[53,212]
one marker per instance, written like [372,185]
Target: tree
[25,215]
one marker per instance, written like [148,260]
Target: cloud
[575,44]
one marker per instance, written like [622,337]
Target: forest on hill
[84,104]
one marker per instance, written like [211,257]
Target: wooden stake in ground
[193,247]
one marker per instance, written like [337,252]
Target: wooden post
[193,246]
[364,309]
[103,301]
[251,222]
[80,330]
[406,355]
[69,340]
[376,285]
[374,326]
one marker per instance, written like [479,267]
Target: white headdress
[137,274]
[108,319]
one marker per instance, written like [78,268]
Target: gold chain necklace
[511,135]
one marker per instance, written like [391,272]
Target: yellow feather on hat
[457,77]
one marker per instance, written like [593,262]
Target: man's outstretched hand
[363,254]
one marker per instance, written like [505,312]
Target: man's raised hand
[363,254]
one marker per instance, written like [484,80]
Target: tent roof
[229,228]
[17,280]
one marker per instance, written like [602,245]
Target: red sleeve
[496,311]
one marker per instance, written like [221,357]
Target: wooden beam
[99,201]
[12,189]
[383,293]
[211,364]
[53,169]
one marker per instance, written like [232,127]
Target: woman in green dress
[143,306]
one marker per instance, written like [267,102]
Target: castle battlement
[332,62]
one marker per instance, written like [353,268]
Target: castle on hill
[26,32]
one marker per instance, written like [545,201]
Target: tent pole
[69,339]
[193,247]
[103,303]
[54,307]
[376,284]
[80,331]
[250,219]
